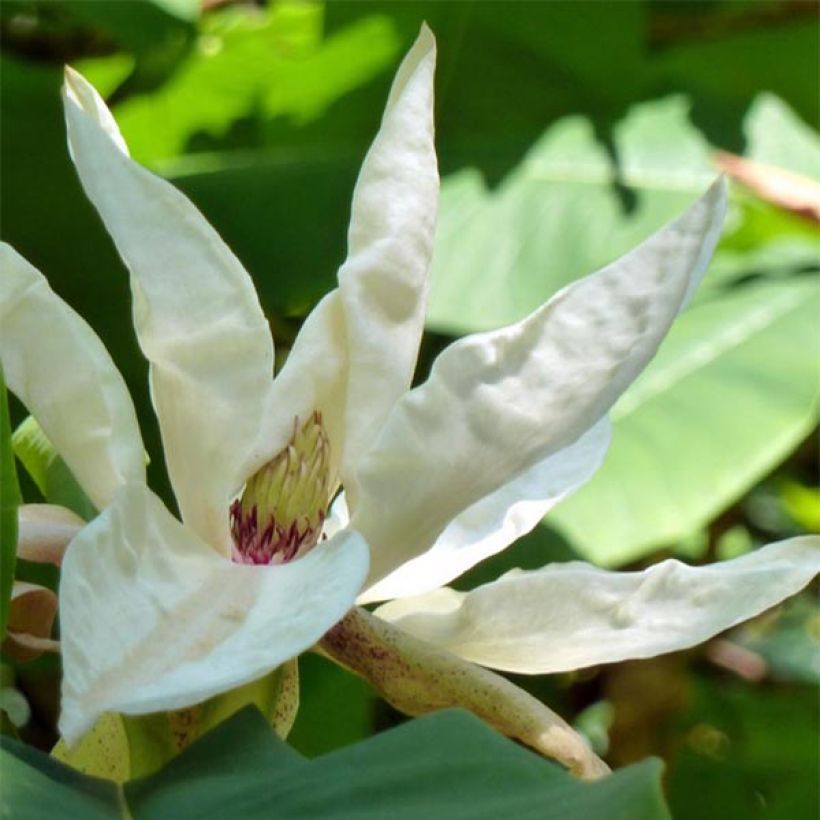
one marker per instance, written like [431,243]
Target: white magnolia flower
[158,614]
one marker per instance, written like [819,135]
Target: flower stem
[417,677]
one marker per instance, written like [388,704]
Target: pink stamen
[271,544]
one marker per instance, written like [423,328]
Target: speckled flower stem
[417,678]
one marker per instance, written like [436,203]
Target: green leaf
[9,501]
[787,640]
[253,68]
[48,470]
[559,215]
[445,765]
[730,394]
[746,751]
[775,135]
[35,786]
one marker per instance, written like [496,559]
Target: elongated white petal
[383,282]
[57,366]
[574,615]
[497,403]
[196,314]
[153,619]
[356,353]
[494,522]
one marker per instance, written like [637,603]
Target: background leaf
[399,772]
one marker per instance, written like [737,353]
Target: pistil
[283,507]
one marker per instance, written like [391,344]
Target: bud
[282,509]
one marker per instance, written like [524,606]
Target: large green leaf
[571,207]
[560,214]
[9,501]
[732,391]
[445,765]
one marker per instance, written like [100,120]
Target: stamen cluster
[283,507]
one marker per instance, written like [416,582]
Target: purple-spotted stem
[417,677]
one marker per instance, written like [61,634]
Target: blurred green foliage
[566,133]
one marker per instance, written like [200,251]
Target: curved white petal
[154,619]
[383,282]
[314,377]
[494,522]
[497,403]
[196,314]
[44,531]
[356,352]
[574,615]
[57,366]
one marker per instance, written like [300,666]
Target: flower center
[283,506]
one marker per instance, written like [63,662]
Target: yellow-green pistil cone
[282,509]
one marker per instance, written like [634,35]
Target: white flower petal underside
[196,314]
[154,619]
[497,403]
[571,616]
[384,281]
[493,523]
[44,531]
[57,366]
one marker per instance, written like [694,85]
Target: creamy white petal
[383,282]
[493,523]
[57,366]
[497,403]
[574,615]
[154,619]
[44,532]
[196,314]
[314,377]
[356,352]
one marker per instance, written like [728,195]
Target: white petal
[356,352]
[153,619]
[494,522]
[55,364]
[313,378]
[44,531]
[383,282]
[497,403]
[196,313]
[574,615]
